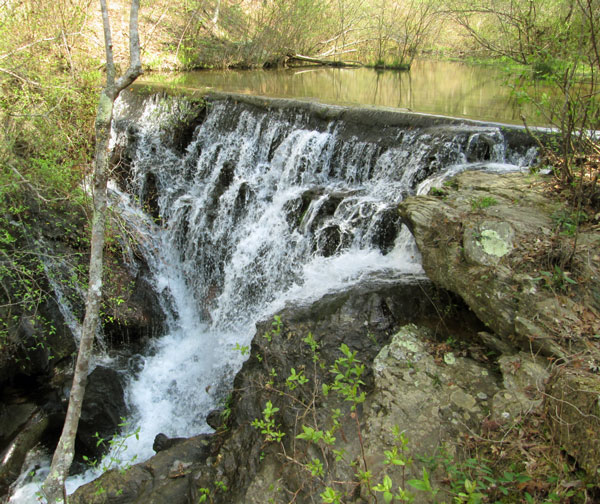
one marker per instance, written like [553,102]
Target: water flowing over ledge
[242,204]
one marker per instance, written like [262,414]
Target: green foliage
[436,191]
[472,480]
[347,382]
[331,496]
[267,425]
[295,379]
[557,42]
[315,436]
[243,349]
[483,202]
[207,496]
[556,279]
[276,330]
[117,446]
[567,221]
[47,107]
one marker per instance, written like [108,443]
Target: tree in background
[53,487]
[558,40]
[521,30]
[401,29]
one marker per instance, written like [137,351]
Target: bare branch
[21,78]
[31,44]
[135,64]
[108,46]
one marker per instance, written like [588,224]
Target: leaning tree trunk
[54,486]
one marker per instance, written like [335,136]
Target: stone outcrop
[27,436]
[162,479]
[489,239]
[573,409]
[505,247]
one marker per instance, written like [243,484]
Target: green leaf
[419,485]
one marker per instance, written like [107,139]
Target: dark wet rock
[150,197]
[163,442]
[386,227]
[295,209]
[30,350]
[215,418]
[244,196]
[102,411]
[329,240]
[479,147]
[183,132]
[132,310]
[162,479]
[14,454]
[12,418]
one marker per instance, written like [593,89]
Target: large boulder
[102,411]
[491,239]
[27,436]
[509,250]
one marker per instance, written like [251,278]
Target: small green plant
[331,496]
[315,466]
[315,436]
[567,222]
[267,424]
[386,488]
[117,446]
[436,191]
[348,371]
[243,349]
[204,495]
[469,495]
[483,202]
[314,346]
[276,331]
[556,279]
[295,379]
[220,486]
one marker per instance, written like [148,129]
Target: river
[434,87]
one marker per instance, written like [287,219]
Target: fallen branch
[318,61]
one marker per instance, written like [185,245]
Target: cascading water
[261,207]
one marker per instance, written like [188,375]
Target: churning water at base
[251,209]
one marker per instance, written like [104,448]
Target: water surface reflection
[447,88]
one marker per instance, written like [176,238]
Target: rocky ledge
[514,254]
[306,422]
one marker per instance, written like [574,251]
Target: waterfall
[255,207]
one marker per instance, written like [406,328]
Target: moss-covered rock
[501,260]
[572,407]
[513,266]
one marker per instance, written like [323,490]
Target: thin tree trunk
[215,19]
[53,488]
